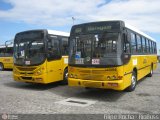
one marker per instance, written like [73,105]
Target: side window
[53,48]
[64,46]
[143,45]
[126,44]
[139,44]
[152,47]
[133,43]
[2,52]
[155,48]
[147,46]
[9,52]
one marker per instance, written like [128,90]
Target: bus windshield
[29,51]
[93,49]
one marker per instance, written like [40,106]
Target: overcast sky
[19,15]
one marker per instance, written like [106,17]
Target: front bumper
[115,84]
[30,79]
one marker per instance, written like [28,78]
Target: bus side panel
[143,67]
[155,61]
[142,63]
[7,62]
[128,69]
[55,69]
[138,63]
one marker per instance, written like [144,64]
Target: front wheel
[133,83]
[1,67]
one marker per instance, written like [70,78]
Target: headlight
[38,72]
[73,76]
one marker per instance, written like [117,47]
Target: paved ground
[26,98]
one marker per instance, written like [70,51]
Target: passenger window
[2,52]
[147,46]
[64,46]
[143,45]
[155,48]
[152,48]
[53,49]
[133,43]
[126,44]
[139,44]
[9,52]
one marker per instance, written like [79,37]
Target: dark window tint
[155,48]
[147,46]
[53,48]
[152,47]
[133,43]
[126,44]
[64,46]
[6,52]
[139,46]
[143,45]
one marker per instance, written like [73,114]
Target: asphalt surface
[24,98]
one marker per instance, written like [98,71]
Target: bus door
[54,65]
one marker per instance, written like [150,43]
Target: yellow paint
[7,62]
[48,72]
[117,78]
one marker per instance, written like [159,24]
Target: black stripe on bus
[127,73]
[139,69]
[144,67]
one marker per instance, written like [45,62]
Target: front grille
[95,74]
[26,68]
[92,77]
[26,73]
[84,71]
[27,78]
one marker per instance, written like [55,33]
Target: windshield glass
[29,51]
[93,49]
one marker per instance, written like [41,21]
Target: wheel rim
[66,76]
[151,71]
[133,81]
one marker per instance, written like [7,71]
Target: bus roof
[3,46]
[55,32]
[138,31]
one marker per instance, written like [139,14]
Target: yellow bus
[6,56]
[110,55]
[41,56]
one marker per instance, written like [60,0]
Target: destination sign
[99,28]
[95,27]
[30,35]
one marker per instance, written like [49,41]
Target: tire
[133,82]
[151,72]
[65,77]
[1,67]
